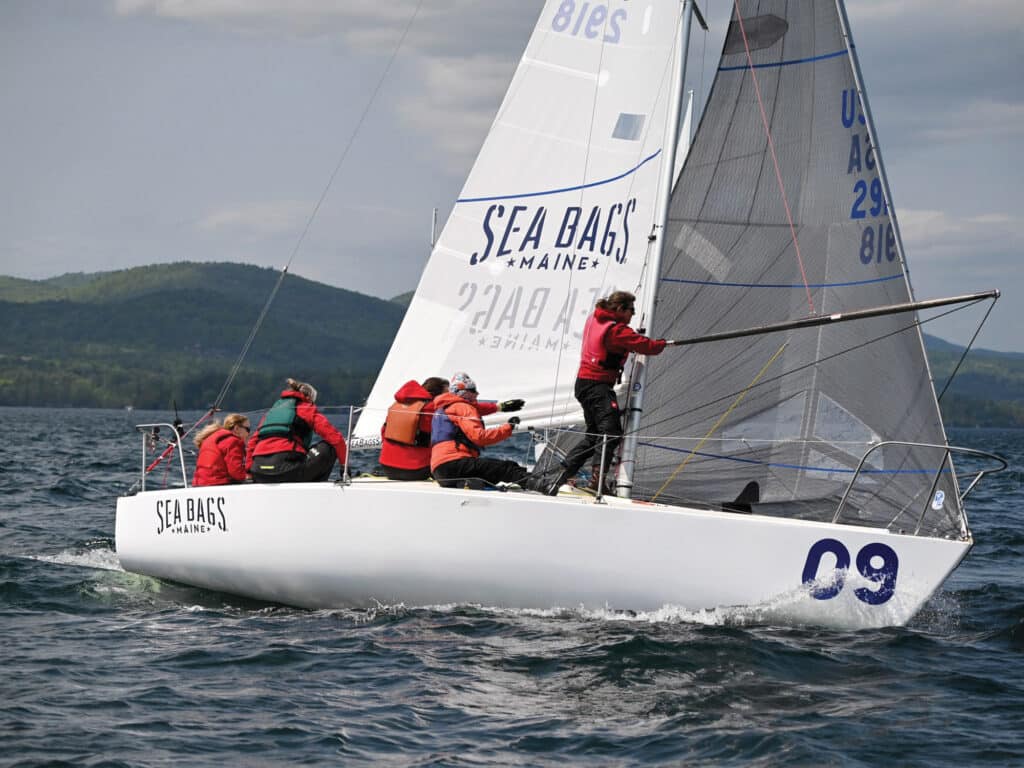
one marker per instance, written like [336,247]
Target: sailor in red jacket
[607,342]
[221,447]
[405,434]
[281,449]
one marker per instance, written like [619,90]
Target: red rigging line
[775,159]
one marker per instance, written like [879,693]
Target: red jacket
[466,416]
[606,344]
[415,456]
[221,459]
[308,412]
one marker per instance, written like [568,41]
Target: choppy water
[103,667]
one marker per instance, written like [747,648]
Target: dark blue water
[103,667]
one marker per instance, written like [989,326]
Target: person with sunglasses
[221,447]
[607,342]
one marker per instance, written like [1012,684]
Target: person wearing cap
[281,449]
[221,458]
[458,435]
[607,342]
[405,434]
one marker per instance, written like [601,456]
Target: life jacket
[443,429]
[596,362]
[283,421]
[403,424]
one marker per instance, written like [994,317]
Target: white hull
[325,545]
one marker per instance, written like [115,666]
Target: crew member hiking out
[281,449]
[458,435]
[607,342]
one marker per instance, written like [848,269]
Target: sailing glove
[511,405]
[514,421]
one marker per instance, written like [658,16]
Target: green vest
[283,421]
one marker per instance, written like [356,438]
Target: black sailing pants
[295,467]
[601,412]
[453,474]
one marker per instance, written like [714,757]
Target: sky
[325,132]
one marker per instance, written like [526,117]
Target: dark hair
[435,385]
[617,301]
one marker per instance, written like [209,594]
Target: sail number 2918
[876,562]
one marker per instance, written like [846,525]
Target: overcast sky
[144,131]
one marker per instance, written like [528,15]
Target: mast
[638,379]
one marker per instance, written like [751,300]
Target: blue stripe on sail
[773,465]
[781,285]
[785,63]
[634,169]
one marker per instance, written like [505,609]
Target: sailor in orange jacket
[458,435]
[405,434]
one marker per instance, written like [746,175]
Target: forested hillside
[153,336]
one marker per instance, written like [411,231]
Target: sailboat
[786,459]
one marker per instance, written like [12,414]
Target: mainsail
[781,213]
[556,211]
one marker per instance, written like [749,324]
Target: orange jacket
[466,416]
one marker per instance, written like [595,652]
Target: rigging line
[966,350]
[775,159]
[721,420]
[316,208]
[798,369]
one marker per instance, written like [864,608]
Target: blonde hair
[233,420]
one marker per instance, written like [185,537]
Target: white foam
[102,559]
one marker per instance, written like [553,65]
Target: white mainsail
[556,211]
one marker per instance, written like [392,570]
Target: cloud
[457,110]
[460,52]
[1001,12]
[986,120]
[985,246]
[438,25]
[258,220]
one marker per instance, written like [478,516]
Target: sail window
[781,422]
[762,32]
[703,252]
[628,126]
[835,424]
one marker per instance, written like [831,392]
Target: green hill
[152,336]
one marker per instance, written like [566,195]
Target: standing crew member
[221,447]
[607,342]
[281,450]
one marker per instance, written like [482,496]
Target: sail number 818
[573,17]
[876,562]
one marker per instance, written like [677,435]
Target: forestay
[556,211]
[780,213]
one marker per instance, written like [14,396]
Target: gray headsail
[781,213]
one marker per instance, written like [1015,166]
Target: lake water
[106,668]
